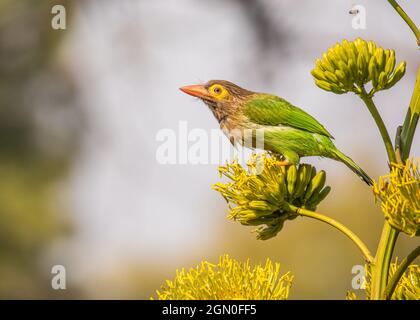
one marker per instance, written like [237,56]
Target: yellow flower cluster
[260,194]
[399,194]
[350,65]
[228,280]
[408,288]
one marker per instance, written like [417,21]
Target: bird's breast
[237,130]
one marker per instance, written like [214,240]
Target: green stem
[383,260]
[380,124]
[350,234]
[399,273]
[407,19]
[389,234]
[411,119]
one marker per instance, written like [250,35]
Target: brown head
[222,97]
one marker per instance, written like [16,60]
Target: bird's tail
[353,167]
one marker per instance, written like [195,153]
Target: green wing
[273,111]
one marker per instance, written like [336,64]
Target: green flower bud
[382,80]
[371,47]
[291,180]
[373,71]
[341,76]
[323,85]
[331,77]
[348,66]
[323,194]
[390,63]
[263,199]
[316,184]
[362,69]
[398,74]
[318,74]
[380,58]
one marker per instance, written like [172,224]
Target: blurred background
[80,109]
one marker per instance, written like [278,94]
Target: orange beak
[197,90]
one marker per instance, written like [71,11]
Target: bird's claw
[283,163]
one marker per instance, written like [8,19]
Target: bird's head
[217,93]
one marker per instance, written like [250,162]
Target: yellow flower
[399,194]
[259,195]
[408,288]
[350,65]
[228,280]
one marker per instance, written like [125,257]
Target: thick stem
[350,234]
[380,124]
[411,119]
[399,273]
[383,260]
[389,234]
[407,19]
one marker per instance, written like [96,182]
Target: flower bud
[263,199]
[348,66]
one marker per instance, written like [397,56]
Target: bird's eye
[217,90]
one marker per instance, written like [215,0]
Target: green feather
[293,133]
[265,109]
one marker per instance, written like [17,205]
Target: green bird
[287,130]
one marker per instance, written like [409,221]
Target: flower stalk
[407,19]
[383,260]
[339,226]
[380,124]
[411,120]
[389,234]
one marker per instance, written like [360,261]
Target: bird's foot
[283,163]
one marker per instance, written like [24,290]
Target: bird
[287,130]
